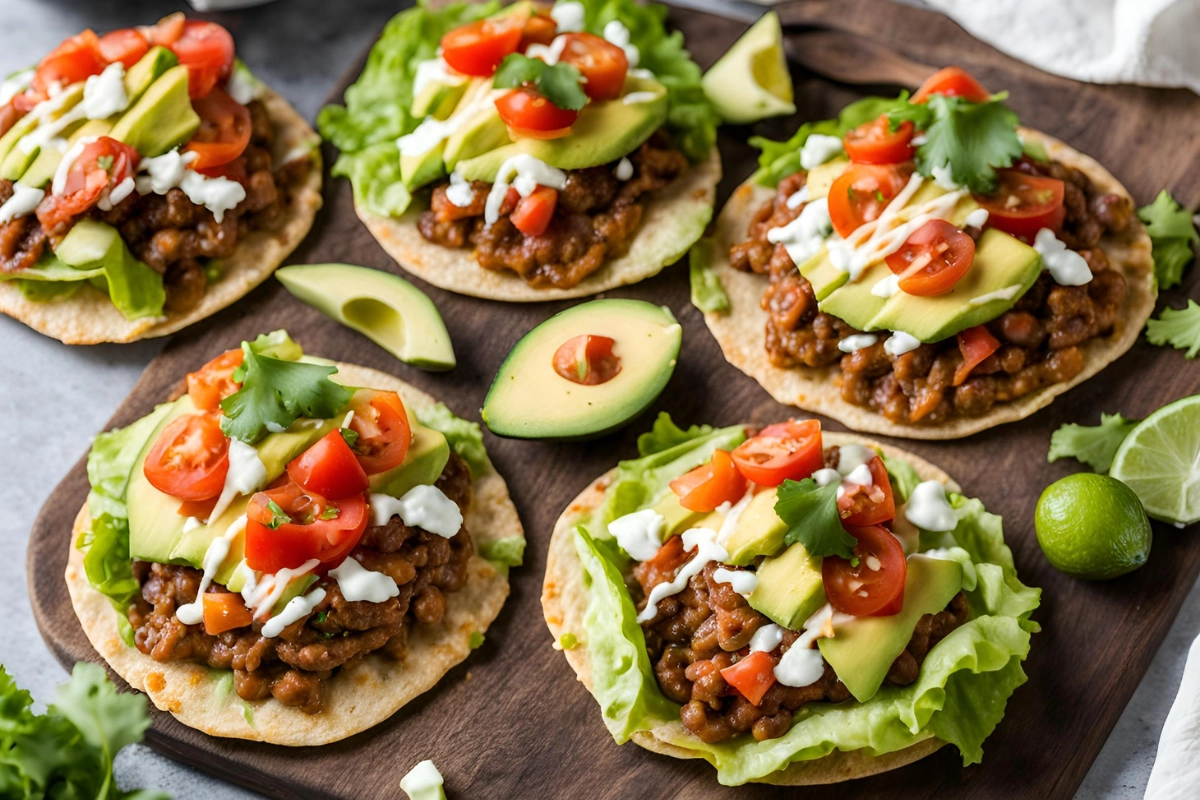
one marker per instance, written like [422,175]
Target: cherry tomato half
[190,458]
[711,484]
[384,433]
[329,468]
[224,611]
[1024,204]
[862,192]
[213,382]
[477,48]
[529,115]
[932,259]
[539,29]
[876,143]
[752,676]
[868,505]
[206,49]
[786,451]
[587,360]
[533,214]
[952,82]
[76,59]
[603,64]
[126,45]
[101,165]
[975,344]
[311,527]
[874,585]
[224,131]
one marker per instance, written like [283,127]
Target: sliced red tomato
[952,82]
[539,29]
[167,31]
[873,585]
[1024,204]
[603,64]
[786,451]
[711,484]
[477,48]
[224,131]
[225,611]
[862,192]
[876,143]
[533,214]
[329,468]
[662,567]
[529,115]
[101,165]
[384,433]
[309,526]
[126,45]
[752,676]
[975,344]
[206,49]
[213,382]
[9,115]
[933,259]
[190,458]
[76,59]
[868,505]
[587,360]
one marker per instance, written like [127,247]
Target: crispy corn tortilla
[741,331]
[564,604]
[89,317]
[674,220]
[356,698]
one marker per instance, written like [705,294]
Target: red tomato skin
[837,573]
[854,197]
[86,182]
[224,611]
[384,433]
[539,29]
[603,64]
[711,484]
[533,214]
[477,48]
[876,143]
[292,544]
[1040,204]
[171,465]
[975,344]
[526,111]
[206,49]
[587,360]
[224,130]
[949,265]
[213,382]
[802,453]
[126,45]
[76,59]
[752,676]
[329,468]
[952,82]
[871,512]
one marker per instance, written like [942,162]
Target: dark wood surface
[511,722]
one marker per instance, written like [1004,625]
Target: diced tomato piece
[934,258]
[311,527]
[587,360]
[752,676]
[224,131]
[868,505]
[952,82]
[213,382]
[876,143]
[76,59]
[224,611]
[477,48]
[384,433]
[872,586]
[603,64]
[126,45]
[190,458]
[539,29]
[206,49]
[528,114]
[785,451]
[862,192]
[533,214]
[101,165]
[711,484]
[975,344]
[1023,204]
[329,468]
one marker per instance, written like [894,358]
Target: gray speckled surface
[54,398]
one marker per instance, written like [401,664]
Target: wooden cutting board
[511,722]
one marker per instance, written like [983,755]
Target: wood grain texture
[511,722]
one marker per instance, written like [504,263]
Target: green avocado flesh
[759,531]
[385,308]
[604,132]
[162,118]
[863,648]
[676,518]
[790,588]
[17,161]
[146,71]
[423,463]
[751,81]
[529,399]
[40,173]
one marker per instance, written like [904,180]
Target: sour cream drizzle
[639,534]
[857,342]
[704,541]
[425,507]
[247,474]
[802,664]
[1067,267]
[297,608]
[193,613]
[766,638]
[526,173]
[24,201]
[1007,293]
[928,508]
[359,583]
[741,581]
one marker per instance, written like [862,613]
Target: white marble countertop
[54,398]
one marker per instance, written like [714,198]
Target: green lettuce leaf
[1172,234]
[135,289]
[463,436]
[1092,445]
[1179,328]
[506,552]
[111,459]
[707,292]
[903,476]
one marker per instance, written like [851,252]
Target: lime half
[1160,461]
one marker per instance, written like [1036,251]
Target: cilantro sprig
[1179,328]
[811,514]
[1172,234]
[561,84]
[1094,445]
[279,517]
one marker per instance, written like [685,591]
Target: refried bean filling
[171,234]
[595,220]
[1040,336]
[294,667]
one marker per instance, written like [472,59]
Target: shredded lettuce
[707,292]
[135,289]
[965,681]
[504,553]
[463,436]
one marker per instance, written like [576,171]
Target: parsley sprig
[561,84]
[1179,328]
[811,514]
[1094,445]
[1173,234]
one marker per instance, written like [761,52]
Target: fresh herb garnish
[321,617]
[811,514]
[104,162]
[475,640]
[1172,234]
[278,516]
[1094,445]
[350,436]
[330,512]
[561,84]
[1179,328]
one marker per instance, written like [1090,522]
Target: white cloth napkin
[1150,42]
[1176,773]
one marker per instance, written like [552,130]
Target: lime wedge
[751,81]
[1160,461]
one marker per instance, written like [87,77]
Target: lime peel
[1160,461]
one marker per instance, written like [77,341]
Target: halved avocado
[385,308]
[529,399]
[751,81]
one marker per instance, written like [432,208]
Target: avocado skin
[162,118]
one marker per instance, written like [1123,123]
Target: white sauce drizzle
[460,192]
[435,70]
[798,197]
[191,523]
[1067,267]
[104,94]
[193,613]
[359,583]
[168,171]
[624,170]
[569,16]
[928,509]
[766,638]
[59,182]
[943,177]
[900,343]
[732,515]
[616,33]
[549,53]
[247,474]
[116,194]
[639,534]
[24,201]
[297,608]
[819,148]
[639,97]
[857,342]
[802,664]
[425,507]
[704,541]
[976,219]
[14,84]
[1007,293]
[526,173]
[853,456]
[886,287]
[46,132]
[242,86]
[261,594]
[804,236]
[826,476]
[741,581]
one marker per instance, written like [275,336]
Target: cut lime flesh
[1160,461]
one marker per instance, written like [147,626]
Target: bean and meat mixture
[595,220]
[170,233]
[1040,336]
[294,666]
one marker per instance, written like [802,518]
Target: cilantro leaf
[1091,445]
[350,436]
[1172,234]
[330,512]
[278,516]
[1179,328]
[559,83]
[811,514]
[276,393]
[972,140]
[666,434]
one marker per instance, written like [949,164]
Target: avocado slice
[604,132]
[162,118]
[863,648]
[820,178]
[41,172]
[790,588]
[477,127]
[423,463]
[759,531]
[147,70]
[676,518]
[384,307]
[530,400]
[853,302]
[751,81]
[822,274]
[438,100]
[17,160]
[134,288]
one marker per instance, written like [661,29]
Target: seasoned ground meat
[170,233]
[707,627]
[595,220]
[1039,337]
[292,667]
